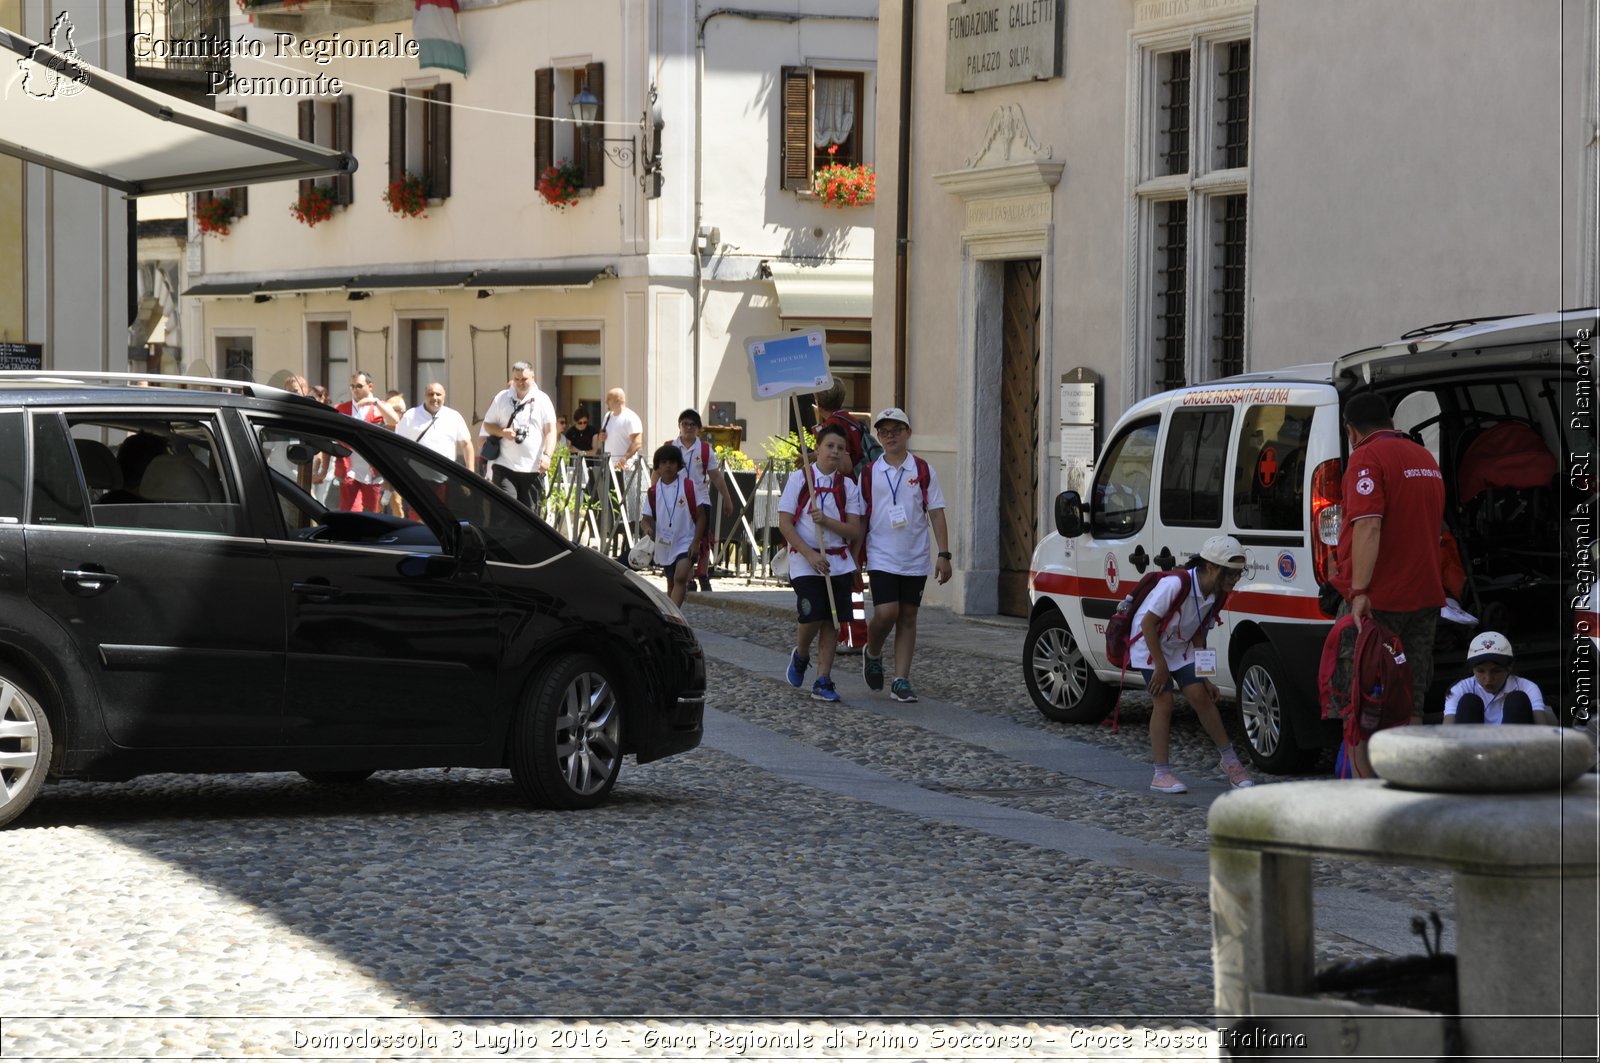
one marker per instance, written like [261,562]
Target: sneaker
[900,690]
[1167,783]
[705,584]
[797,668]
[1238,778]
[872,670]
[822,690]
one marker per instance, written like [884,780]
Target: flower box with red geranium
[213,215]
[407,196]
[313,206]
[560,184]
[840,184]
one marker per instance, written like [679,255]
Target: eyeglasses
[890,428]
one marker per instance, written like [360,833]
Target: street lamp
[640,153]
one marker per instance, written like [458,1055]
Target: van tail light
[1326,496]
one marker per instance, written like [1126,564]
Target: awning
[833,290]
[60,112]
[391,281]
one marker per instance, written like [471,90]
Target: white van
[1260,456]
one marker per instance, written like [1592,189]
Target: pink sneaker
[1165,782]
[1237,776]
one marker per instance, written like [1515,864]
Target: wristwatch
[944,555]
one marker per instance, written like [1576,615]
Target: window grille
[1175,126]
[1172,252]
[1234,81]
[1228,295]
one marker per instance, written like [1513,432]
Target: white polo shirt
[1494,705]
[535,413]
[901,550]
[1177,634]
[442,433]
[675,522]
[806,528]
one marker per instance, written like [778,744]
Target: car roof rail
[155,380]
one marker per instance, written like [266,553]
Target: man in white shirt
[524,420]
[439,428]
[621,431]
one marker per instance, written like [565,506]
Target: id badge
[897,516]
[1205,663]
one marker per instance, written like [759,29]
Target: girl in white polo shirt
[819,530]
[674,518]
[903,502]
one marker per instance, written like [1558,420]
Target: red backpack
[1380,680]
[1120,635]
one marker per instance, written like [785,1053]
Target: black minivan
[174,597]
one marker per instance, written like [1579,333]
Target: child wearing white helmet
[1491,694]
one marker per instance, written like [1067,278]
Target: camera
[520,434]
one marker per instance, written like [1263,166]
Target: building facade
[1129,195]
[690,220]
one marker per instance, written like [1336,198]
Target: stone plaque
[1001,43]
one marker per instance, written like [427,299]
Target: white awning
[62,113]
[832,290]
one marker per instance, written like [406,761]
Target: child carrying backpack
[1167,646]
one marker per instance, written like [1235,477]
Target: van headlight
[668,607]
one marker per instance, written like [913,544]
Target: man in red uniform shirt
[1388,555]
[360,485]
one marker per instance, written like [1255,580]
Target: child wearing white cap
[1491,694]
[903,503]
[1167,629]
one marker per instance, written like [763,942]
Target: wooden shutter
[592,146]
[240,194]
[544,131]
[308,132]
[344,191]
[397,133]
[439,142]
[795,165]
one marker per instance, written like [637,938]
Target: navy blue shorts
[811,597]
[1181,678]
[890,587]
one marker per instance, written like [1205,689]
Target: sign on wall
[1080,416]
[989,44]
[21,356]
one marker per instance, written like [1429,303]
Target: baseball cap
[893,413]
[1489,647]
[1223,550]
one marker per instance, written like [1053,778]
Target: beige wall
[13,275]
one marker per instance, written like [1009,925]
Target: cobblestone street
[954,879]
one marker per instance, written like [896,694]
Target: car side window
[1269,474]
[1193,469]
[511,533]
[13,444]
[57,490]
[152,471]
[1120,497]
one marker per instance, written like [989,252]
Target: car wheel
[1059,678]
[25,745]
[1265,703]
[338,778]
[567,744]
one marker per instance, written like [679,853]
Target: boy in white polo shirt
[903,501]
[674,518]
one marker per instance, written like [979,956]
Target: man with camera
[522,421]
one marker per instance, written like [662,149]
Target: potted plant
[407,196]
[312,206]
[559,184]
[842,185]
[213,216]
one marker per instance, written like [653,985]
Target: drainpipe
[902,202]
[699,119]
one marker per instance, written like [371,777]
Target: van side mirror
[1069,515]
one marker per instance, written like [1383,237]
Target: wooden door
[1019,432]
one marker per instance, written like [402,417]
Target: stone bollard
[1507,809]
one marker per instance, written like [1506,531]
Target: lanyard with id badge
[897,512]
[664,527]
[1205,661]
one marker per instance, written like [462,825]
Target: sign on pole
[792,364]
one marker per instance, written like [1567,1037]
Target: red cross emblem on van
[1111,571]
[1267,466]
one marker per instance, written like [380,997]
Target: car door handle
[318,589]
[1165,560]
[87,581]
[1140,559]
